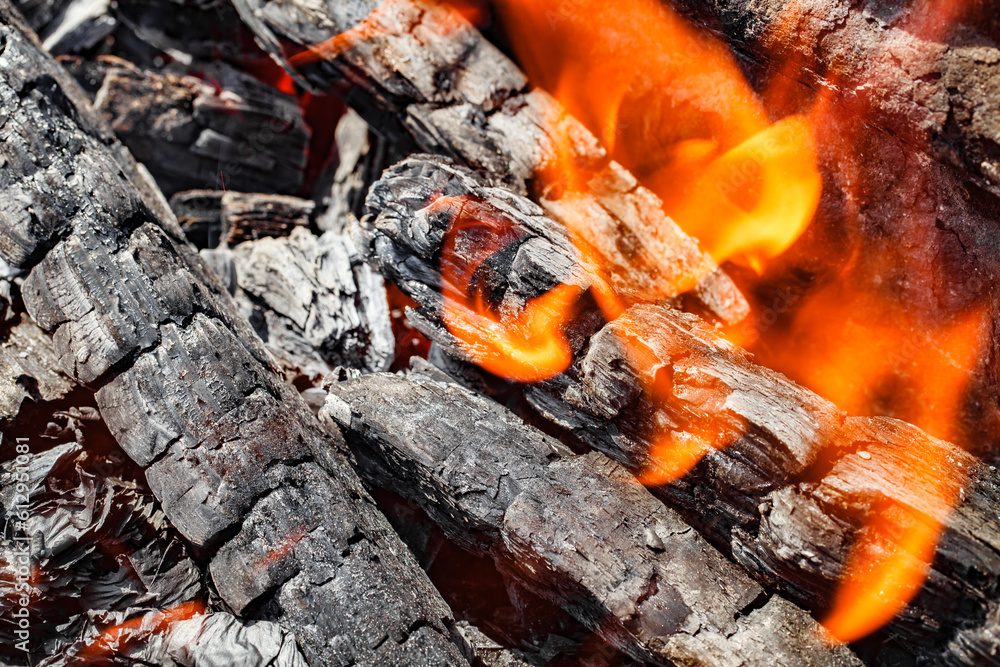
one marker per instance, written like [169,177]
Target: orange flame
[527,345]
[673,455]
[888,565]
[671,105]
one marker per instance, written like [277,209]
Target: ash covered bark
[421,68]
[220,639]
[233,454]
[794,478]
[315,303]
[29,370]
[577,530]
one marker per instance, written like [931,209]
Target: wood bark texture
[315,302]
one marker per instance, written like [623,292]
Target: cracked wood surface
[241,466]
[787,494]
[577,530]
[936,82]
[421,70]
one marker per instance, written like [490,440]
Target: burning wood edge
[239,464]
[417,66]
[577,530]
[792,478]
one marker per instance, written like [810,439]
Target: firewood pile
[505,333]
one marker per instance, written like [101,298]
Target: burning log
[779,479]
[292,535]
[932,77]
[901,247]
[421,68]
[577,530]
[222,128]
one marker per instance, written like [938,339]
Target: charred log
[221,129]
[199,213]
[248,217]
[314,303]
[29,370]
[577,530]
[134,312]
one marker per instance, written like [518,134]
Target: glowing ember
[672,456]
[525,346]
[115,638]
[282,549]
